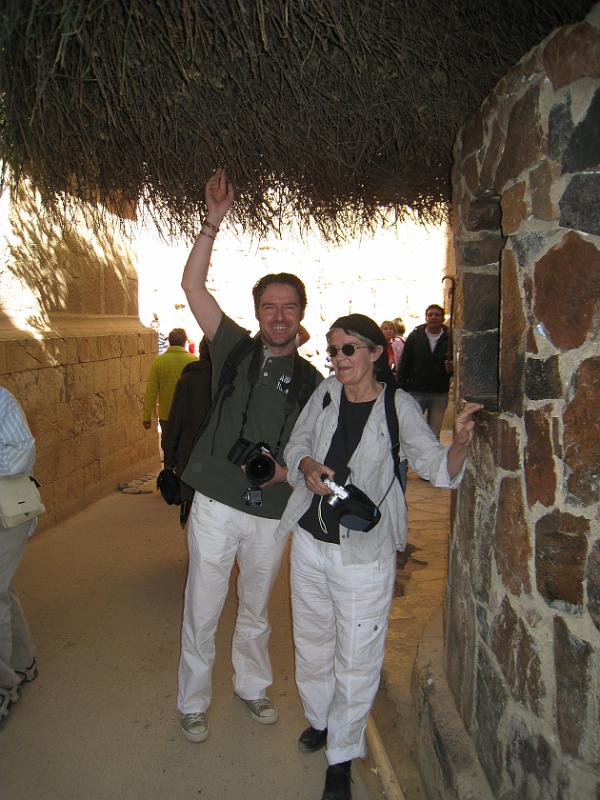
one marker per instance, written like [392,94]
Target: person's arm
[150,395]
[17,445]
[464,425]
[405,361]
[219,196]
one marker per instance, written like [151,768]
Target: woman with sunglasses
[342,576]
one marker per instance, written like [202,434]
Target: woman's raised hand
[312,472]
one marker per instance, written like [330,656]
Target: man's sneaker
[261,710]
[29,674]
[337,782]
[8,697]
[194,727]
[312,740]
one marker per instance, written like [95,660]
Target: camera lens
[260,469]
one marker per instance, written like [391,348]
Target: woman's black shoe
[337,782]
[312,740]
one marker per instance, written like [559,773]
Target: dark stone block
[540,478]
[572,669]
[481,252]
[491,158]
[512,547]
[512,339]
[470,174]
[567,287]
[481,566]
[542,379]
[491,704]
[483,625]
[515,651]
[481,301]
[528,756]
[583,149]
[483,213]
[560,558]
[580,204]
[480,364]
[573,53]
[560,128]
[526,246]
[581,421]
[504,441]
[593,584]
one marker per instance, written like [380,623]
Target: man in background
[426,366]
[164,374]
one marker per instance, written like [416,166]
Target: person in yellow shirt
[164,374]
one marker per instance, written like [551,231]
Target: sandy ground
[103,594]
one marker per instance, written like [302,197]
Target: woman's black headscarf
[367,328]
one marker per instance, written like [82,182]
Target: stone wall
[522,627]
[74,353]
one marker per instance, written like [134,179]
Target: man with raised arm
[238,474]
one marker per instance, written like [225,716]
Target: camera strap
[291,396]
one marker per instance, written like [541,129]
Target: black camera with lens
[260,467]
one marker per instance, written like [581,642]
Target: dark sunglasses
[347,349]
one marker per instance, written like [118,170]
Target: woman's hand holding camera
[312,471]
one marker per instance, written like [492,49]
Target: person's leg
[16,646]
[362,595]
[213,539]
[314,628]
[259,557]
[438,402]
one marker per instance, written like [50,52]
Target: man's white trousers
[340,618]
[217,535]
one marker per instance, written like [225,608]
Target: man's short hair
[177,337]
[280,277]
[439,308]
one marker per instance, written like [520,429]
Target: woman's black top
[351,422]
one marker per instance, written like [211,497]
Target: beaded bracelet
[208,235]
[208,224]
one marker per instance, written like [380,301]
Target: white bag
[19,500]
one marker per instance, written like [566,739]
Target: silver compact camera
[338,492]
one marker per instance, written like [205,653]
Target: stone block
[79,380]
[91,475]
[560,558]
[114,291]
[541,182]
[472,137]
[470,173]
[483,212]
[581,421]
[114,374]
[517,655]
[512,545]
[535,769]
[560,128]
[128,343]
[100,372]
[542,378]
[593,584]
[580,204]
[479,376]
[526,247]
[491,157]
[109,347]
[512,338]
[88,348]
[514,208]
[504,440]
[572,53]
[491,702]
[481,301]
[479,252]
[582,151]
[460,641]
[571,664]
[525,141]
[565,306]
[540,478]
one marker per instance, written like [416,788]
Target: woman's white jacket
[371,468]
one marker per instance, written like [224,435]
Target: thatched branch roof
[324,109]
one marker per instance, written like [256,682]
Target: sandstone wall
[522,629]
[74,353]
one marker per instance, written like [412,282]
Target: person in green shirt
[165,371]
[234,515]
